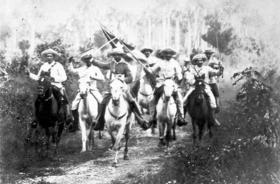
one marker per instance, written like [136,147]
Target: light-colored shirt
[214,63]
[56,71]
[88,74]
[196,71]
[167,69]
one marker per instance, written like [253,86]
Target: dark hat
[86,57]
[168,51]
[144,49]
[208,51]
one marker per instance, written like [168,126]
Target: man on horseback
[88,75]
[119,69]
[56,74]
[198,70]
[215,63]
[167,67]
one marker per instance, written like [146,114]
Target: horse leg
[115,159]
[125,157]
[174,130]
[84,133]
[168,133]
[209,129]
[161,133]
[59,131]
[113,139]
[194,132]
[100,134]
[200,133]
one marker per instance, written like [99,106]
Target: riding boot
[153,104]
[100,118]
[141,121]
[180,121]
[153,114]
[75,122]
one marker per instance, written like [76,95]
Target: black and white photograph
[139,92]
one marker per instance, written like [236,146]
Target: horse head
[199,87]
[168,88]
[116,88]
[44,87]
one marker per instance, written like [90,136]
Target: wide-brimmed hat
[116,51]
[168,51]
[209,51]
[198,57]
[144,49]
[49,51]
[86,57]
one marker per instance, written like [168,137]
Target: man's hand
[27,71]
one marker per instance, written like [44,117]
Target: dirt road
[72,167]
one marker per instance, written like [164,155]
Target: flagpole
[133,56]
[99,47]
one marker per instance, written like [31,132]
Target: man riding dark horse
[167,67]
[215,63]
[55,73]
[118,69]
[199,70]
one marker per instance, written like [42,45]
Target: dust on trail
[72,167]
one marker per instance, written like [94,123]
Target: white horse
[118,118]
[166,112]
[88,111]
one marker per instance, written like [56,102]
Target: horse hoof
[82,151]
[114,164]
[125,157]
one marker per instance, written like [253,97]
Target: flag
[110,36]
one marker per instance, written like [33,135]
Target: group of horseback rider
[157,66]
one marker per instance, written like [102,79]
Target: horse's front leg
[210,130]
[84,133]
[115,159]
[113,139]
[194,135]
[125,157]
[174,130]
[168,132]
[161,127]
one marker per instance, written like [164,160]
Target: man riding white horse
[56,73]
[88,75]
[166,68]
[119,69]
[198,70]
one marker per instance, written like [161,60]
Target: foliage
[216,36]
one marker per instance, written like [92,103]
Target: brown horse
[199,110]
[50,117]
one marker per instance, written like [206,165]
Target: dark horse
[199,109]
[49,115]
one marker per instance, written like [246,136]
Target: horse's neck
[145,86]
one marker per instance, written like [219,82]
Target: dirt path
[72,167]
